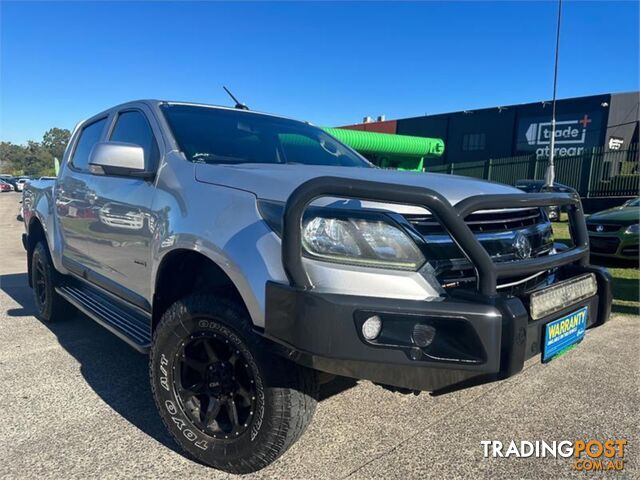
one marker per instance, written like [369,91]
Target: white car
[20,183]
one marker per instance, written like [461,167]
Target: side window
[89,136]
[133,127]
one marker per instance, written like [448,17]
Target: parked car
[537,186]
[9,179]
[277,253]
[20,182]
[6,186]
[615,232]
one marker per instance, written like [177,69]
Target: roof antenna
[239,105]
[550,173]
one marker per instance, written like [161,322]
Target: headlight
[635,228]
[358,241]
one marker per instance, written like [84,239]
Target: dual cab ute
[255,256]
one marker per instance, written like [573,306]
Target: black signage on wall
[575,133]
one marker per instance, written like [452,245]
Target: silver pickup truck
[255,257]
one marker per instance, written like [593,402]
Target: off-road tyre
[49,305]
[278,397]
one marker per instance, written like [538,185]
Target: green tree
[34,158]
[37,160]
[55,141]
[12,158]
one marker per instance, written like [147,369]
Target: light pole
[550,173]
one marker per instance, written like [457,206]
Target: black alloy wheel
[225,396]
[215,385]
[49,304]
[39,282]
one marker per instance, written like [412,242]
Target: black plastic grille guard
[451,218]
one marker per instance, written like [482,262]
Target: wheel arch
[184,271]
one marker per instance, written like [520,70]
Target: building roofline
[498,107]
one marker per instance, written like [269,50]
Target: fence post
[594,159]
[486,173]
[533,167]
[590,175]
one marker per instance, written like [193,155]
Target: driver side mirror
[118,158]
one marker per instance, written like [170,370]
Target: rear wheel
[225,398]
[49,305]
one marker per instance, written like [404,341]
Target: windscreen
[219,136]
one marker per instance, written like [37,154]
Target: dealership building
[607,121]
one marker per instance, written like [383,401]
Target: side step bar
[132,327]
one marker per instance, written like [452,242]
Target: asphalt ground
[75,403]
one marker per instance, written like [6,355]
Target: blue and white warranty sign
[563,333]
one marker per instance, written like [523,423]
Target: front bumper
[478,339]
[481,335]
[617,245]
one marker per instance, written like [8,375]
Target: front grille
[497,231]
[603,227]
[603,245]
[459,270]
[483,222]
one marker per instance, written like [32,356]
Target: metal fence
[596,173]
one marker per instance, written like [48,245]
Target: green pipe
[388,144]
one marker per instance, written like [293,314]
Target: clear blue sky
[328,63]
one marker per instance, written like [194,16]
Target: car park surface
[77,405]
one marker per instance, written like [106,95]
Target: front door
[123,228]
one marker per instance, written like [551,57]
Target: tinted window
[88,138]
[211,135]
[132,127]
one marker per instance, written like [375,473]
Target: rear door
[75,199]
[123,227]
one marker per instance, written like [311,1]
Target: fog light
[423,335]
[371,327]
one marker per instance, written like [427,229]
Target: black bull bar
[450,217]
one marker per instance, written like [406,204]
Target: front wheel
[225,398]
